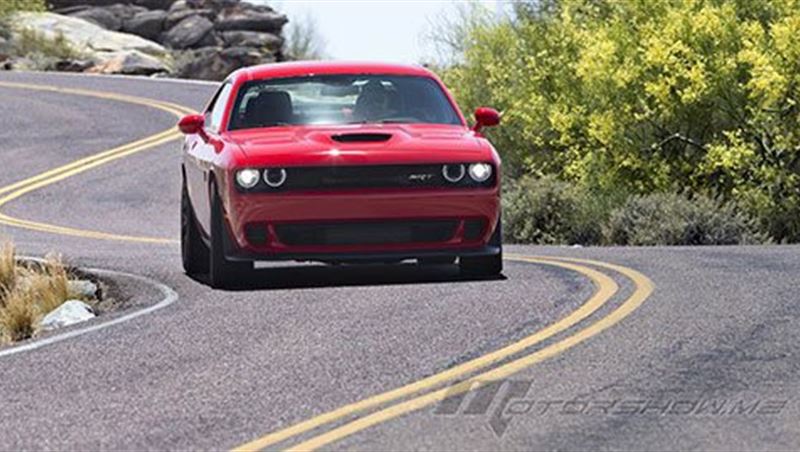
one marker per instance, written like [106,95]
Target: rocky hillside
[203,39]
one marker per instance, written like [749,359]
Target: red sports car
[337,162]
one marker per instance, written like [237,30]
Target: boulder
[69,10]
[178,5]
[69,313]
[82,288]
[130,62]
[250,20]
[73,66]
[148,24]
[150,4]
[222,4]
[189,32]
[125,11]
[215,63]
[86,36]
[252,39]
[177,16]
[100,16]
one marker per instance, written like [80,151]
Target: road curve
[618,348]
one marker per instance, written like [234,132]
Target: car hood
[360,145]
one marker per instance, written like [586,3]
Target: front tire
[485,266]
[194,253]
[222,273]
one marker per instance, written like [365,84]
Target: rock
[175,17]
[150,4]
[100,16]
[188,32]
[125,11]
[178,5]
[250,20]
[32,62]
[155,4]
[252,39]
[148,24]
[86,36]
[69,10]
[210,38]
[246,56]
[221,4]
[73,66]
[214,63]
[82,289]
[69,313]
[130,62]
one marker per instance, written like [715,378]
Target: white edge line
[185,81]
[170,296]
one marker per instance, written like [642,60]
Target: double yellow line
[23,187]
[423,393]
[380,408]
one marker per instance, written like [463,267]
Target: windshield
[341,99]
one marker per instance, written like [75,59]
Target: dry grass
[8,267]
[18,316]
[28,292]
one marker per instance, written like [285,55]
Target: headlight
[275,177]
[247,178]
[453,173]
[480,172]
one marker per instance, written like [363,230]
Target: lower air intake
[366,233]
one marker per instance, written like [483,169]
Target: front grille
[341,177]
[372,176]
[379,233]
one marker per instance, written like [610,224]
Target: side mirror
[191,124]
[485,117]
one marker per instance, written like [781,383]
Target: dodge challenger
[341,163]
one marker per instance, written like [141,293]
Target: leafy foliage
[646,96]
[8,7]
[548,211]
[668,219]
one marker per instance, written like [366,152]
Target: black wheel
[485,265]
[436,260]
[222,272]
[194,253]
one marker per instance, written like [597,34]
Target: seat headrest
[268,108]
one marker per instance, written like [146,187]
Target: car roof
[303,68]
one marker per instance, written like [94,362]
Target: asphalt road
[709,360]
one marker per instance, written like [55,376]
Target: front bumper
[258,222]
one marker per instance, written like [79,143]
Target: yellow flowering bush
[645,96]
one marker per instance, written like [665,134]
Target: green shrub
[8,7]
[670,219]
[549,211]
[644,96]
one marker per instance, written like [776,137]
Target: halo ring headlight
[453,173]
[275,177]
[247,178]
[480,172]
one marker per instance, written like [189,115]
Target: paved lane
[220,368]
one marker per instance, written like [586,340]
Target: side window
[217,108]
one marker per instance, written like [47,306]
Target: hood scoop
[361,137]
